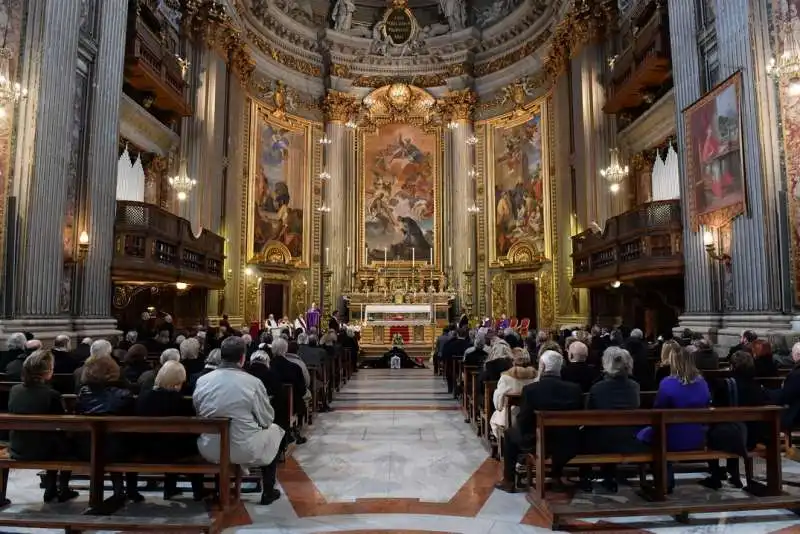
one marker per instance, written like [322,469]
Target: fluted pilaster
[460,188]
[335,243]
[685,69]
[101,184]
[43,196]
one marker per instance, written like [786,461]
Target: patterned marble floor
[396,457]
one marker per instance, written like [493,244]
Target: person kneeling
[230,392]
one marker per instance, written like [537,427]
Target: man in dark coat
[643,371]
[289,373]
[454,348]
[65,362]
[577,370]
[748,336]
[549,393]
[333,322]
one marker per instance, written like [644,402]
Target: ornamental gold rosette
[340,107]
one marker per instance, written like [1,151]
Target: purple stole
[312,318]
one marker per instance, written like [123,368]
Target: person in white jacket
[511,381]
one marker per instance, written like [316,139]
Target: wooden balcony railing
[150,63]
[154,245]
[642,243]
[643,64]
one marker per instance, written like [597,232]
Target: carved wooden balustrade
[152,68]
[644,63]
[152,245]
[642,243]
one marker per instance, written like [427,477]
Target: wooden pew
[485,411]
[469,376]
[98,427]
[655,500]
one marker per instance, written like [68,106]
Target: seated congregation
[513,389]
[264,390]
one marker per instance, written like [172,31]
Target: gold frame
[506,121]
[371,129]
[295,124]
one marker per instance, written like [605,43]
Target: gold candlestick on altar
[468,293]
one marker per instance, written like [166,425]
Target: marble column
[339,107]
[460,188]
[41,187]
[95,300]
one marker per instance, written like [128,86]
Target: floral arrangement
[397,340]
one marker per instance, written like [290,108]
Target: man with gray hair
[190,352]
[14,368]
[643,371]
[476,354]
[549,393]
[63,360]
[16,346]
[577,370]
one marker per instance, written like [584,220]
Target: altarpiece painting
[399,193]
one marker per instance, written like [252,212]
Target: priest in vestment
[313,316]
[300,323]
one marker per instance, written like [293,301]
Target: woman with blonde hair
[683,388]
[664,366]
[512,381]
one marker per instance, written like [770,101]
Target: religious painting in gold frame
[399,154]
[518,192]
[279,200]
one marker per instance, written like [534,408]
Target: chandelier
[473,172]
[324,209]
[474,209]
[472,140]
[324,175]
[614,173]
[787,65]
[325,140]
[181,182]
[10,92]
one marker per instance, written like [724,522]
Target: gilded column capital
[458,105]
[339,106]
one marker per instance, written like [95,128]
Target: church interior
[446,217]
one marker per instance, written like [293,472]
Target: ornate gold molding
[282,57]
[458,105]
[499,294]
[400,102]
[339,106]
[209,21]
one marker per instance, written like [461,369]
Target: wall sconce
[615,284]
[181,286]
[711,249]
[83,245]
[248,271]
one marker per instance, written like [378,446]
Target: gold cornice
[339,106]
[285,59]
[458,105]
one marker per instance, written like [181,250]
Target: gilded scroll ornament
[340,107]
[546,299]
[458,104]
[299,300]
[499,294]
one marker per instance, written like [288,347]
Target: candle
[449,256]
[431,256]
[469,258]
[385,256]
[327,257]
[413,258]
[348,257]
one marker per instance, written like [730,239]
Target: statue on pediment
[455,11]
[342,15]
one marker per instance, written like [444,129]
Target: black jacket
[14,368]
[274,386]
[617,393]
[39,399]
[580,373]
[107,399]
[643,371]
[165,447]
[765,366]
[492,371]
[550,393]
[749,393]
[289,372]
[64,362]
[475,357]
[706,359]
[312,355]
[455,347]
[789,395]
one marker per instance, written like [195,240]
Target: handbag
[731,436]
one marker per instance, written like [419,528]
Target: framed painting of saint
[279,199]
[714,162]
